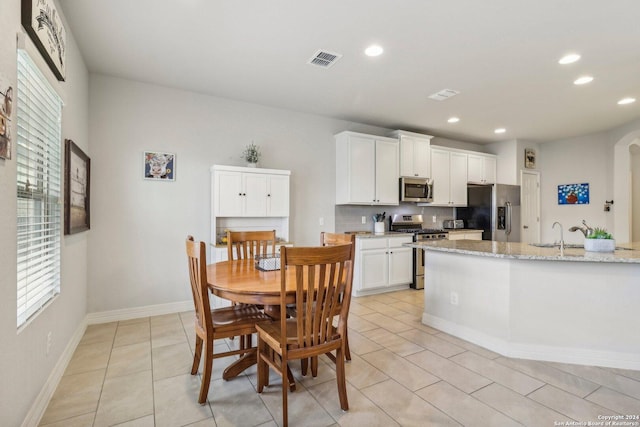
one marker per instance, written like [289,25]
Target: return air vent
[324,59]
[443,94]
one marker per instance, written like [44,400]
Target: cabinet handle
[268,195]
[239,194]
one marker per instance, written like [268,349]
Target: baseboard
[36,412]
[137,312]
[573,355]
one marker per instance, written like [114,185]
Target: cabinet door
[400,266]
[458,178]
[475,171]
[278,196]
[362,175]
[228,199]
[374,265]
[490,165]
[440,175]
[422,158]
[255,194]
[387,173]
[406,156]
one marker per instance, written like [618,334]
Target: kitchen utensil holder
[378,227]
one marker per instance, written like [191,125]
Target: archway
[622,186]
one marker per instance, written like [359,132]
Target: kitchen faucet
[586,230]
[561,237]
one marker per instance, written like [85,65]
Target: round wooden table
[241,282]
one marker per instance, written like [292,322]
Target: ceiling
[501,55]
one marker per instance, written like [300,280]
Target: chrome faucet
[561,237]
[586,230]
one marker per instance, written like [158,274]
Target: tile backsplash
[349,217]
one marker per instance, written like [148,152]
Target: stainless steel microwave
[419,190]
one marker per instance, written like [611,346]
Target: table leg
[237,367]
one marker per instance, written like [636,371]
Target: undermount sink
[568,246]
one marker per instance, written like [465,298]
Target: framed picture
[42,22]
[159,166]
[6,105]
[77,173]
[529,158]
[573,194]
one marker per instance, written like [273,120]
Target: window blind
[38,164]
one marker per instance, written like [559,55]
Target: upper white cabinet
[481,168]
[415,154]
[366,169]
[250,192]
[449,173]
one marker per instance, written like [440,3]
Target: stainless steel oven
[413,224]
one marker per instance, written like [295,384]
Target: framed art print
[77,173]
[529,158]
[159,166]
[573,194]
[42,22]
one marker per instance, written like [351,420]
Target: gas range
[413,224]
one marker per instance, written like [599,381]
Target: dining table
[241,282]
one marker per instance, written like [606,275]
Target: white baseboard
[579,356]
[137,312]
[36,412]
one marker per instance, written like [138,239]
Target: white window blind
[38,163]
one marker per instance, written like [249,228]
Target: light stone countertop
[462,230]
[525,251]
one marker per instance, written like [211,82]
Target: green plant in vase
[599,233]
[251,154]
[599,240]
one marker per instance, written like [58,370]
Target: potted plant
[599,241]
[252,155]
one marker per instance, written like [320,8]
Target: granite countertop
[371,235]
[462,230]
[630,252]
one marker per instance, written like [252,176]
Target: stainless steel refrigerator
[495,209]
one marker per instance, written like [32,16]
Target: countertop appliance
[495,209]
[418,190]
[452,224]
[413,224]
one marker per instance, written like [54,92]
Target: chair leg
[341,380]
[314,366]
[285,386]
[263,368]
[196,356]
[206,374]
[304,366]
[347,351]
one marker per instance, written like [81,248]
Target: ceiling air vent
[324,59]
[443,94]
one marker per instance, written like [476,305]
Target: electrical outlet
[321,221]
[49,342]
[454,298]
[433,218]
[364,219]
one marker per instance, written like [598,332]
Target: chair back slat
[321,275]
[249,244]
[196,256]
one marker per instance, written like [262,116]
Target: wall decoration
[43,24]
[6,107]
[529,158]
[77,173]
[159,166]
[573,194]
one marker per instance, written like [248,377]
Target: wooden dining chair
[249,244]
[332,239]
[214,324]
[321,276]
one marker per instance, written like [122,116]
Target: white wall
[24,367]
[635,191]
[138,227]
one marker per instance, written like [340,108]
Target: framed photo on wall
[159,166]
[529,158]
[41,20]
[77,174]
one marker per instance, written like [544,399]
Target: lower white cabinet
[382,264]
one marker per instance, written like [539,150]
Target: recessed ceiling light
[625,101]
[374,50]
[583,80]
[453,120]
[569,59]
[500,130]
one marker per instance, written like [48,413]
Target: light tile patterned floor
[136,374]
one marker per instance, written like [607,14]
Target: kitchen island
[534,303]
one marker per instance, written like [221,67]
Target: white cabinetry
[481,169]
[415,154]
[382,265]
[250,194]
[366,169]
[449,173]
[245,199]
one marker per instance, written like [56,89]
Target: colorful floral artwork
[573,194]
[159,166]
